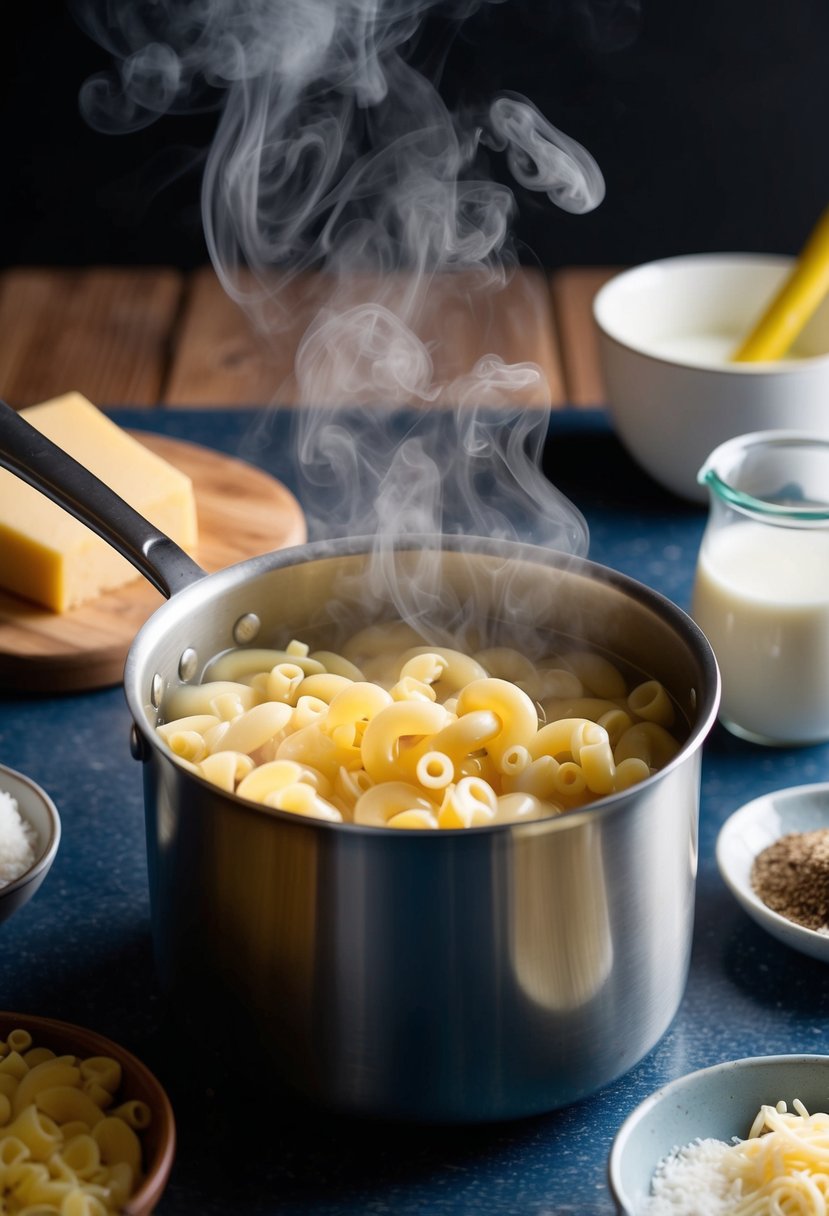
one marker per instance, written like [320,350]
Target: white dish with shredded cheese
[29,839]
[716,1143]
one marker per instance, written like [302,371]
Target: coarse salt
[692,1182]
[17,841]
[786,1153]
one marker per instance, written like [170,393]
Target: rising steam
[333,153]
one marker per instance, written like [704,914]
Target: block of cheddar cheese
[48,556]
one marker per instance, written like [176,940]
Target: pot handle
[28,454]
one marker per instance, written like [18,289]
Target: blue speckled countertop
[81,949]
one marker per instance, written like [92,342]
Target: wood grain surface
[103,331]
[222,357]
[573,290]
[242,512]
[154,336]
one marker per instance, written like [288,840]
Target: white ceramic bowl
[803,808]
[666,332]
[718,1102]
[36,807]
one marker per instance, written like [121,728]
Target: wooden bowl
[159,1140]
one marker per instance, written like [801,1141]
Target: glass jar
[761,592]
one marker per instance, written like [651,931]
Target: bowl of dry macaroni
[743,1136]
[84,1125]
[29,839]
[383,799]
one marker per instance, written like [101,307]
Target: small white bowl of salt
[29,839]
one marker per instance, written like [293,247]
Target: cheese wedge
[48,556]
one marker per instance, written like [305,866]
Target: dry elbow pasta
[392,733]
[67,1145]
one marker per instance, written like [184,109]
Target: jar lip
[761,507]
[804,512]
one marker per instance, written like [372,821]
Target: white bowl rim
[623,279]
[797,936]
[626,1129]
[45,859]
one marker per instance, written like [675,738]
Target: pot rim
[230,576]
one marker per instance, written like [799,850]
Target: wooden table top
[154,336]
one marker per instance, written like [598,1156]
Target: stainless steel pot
[471,975]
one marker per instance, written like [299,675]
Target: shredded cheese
[780,1169]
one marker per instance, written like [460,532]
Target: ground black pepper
[791,877]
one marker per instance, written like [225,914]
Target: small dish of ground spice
[773,854]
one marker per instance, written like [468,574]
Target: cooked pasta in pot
[389,734]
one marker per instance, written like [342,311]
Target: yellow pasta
[506,663]
[597,674]
[64,1103]
[651,702]
[104,1070]
[40,1134]
[283,682]
[323,686]
[470,803]
[649,742]
[389,732]
[189,700]
[358,703]
[100,1096]
[384,748]
[515,711]
[380,803]
[62,1153]
[117,1142]
[434,770]
[134,1112]
[311,746]
[337,664]
[42,1076]
[37,1055]
[302,799]
[81,1155]
[226,769]
[256,727]
[236,664]
[553,684]
[452,668]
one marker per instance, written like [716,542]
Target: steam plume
[332,152]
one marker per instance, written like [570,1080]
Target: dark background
[710,122]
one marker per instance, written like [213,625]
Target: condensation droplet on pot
[246,628]
[156,691]
[188,664]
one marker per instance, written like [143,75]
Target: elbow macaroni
[390,733]
[62,1150]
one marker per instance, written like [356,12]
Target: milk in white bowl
[761,596]
[706,349]
[667,332]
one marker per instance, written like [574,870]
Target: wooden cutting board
[242,512]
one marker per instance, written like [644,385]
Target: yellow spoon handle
[794,303]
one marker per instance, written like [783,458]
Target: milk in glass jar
[761,592]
